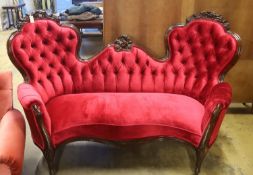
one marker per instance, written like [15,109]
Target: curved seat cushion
[125,116]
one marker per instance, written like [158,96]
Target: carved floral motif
[210,15]
[123,43]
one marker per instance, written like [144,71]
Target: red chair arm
[12,143]
[221,94]
[28,96]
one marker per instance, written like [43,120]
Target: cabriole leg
[200,155]
[50,156]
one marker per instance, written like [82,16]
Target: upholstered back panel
[45,52]
[199,53]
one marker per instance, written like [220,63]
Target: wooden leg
[58,155]
[50,156]
[200,155]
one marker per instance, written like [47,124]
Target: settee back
[47,54]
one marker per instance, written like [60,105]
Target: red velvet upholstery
[199,53]
[125,116]
[12,130]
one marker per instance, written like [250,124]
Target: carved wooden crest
[38,14]
[210,15]
[123,43]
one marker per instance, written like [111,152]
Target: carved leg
[58,155]
[50,156]
[200,155]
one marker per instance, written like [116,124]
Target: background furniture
[147,20]
[14,13]
[12,130]
[96,23]
[81,1]
[117,90]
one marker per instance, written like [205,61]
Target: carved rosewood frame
[120,44]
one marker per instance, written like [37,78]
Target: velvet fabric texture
[125,116]
[47,53]
[12,130]
[5,92]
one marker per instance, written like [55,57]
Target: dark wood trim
[49,151]
[204,146]
[38,14]
[210,15]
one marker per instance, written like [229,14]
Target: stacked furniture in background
[122,94]
[12,130]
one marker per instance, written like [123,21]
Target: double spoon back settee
[122,94]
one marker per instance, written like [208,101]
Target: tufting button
[137,60]
[110,59]
[33,45]
[174,71]
[51,65]
[154,72]
[123,60]
[212,30]
[131,71]
[42,55]
[40,68]
[48,76]
[193,51]
[31,58]
[45,41]
[184,61]
[37,30]
[23,46]
[58,39]
[147,63]
[68,49]
[39,81]
[178,38]
[59,73]
[63,62]
[163,71]
[181,49]
[49,28]
[143,71]
[186,73]
[55,51]
[190,41]
[116,71]
[206,55]
[229,45]
[199,29]
[71,36]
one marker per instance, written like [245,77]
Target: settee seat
[125,116]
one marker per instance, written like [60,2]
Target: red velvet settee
[12,130]
[122,94]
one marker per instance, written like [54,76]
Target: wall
[146,22]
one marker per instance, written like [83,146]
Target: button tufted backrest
[47,54]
